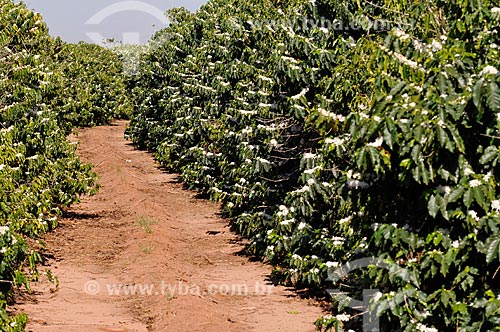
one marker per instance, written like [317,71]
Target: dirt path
[145,255]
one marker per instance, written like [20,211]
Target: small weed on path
[146,222]
[147,250]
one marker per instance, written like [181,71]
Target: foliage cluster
[338,130]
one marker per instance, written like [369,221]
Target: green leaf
[449,260]
[460,308]
[4,208]
[433,206]
[388,136]
[455,194]
[476,93]
[468,198]
[457,138]
[489,154]
[397,88]
[447,296]
[375,158]
[442,136]
[361,160]
[415,152]
[405,163]
[424,172]
[493,96]
[492,249]
[479,196]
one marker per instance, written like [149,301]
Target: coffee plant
[337,130]
[93,91]
[47,88]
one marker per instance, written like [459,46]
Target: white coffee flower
[301,94]
[287,58]
[473,214]
[436,46]
[356,184]
[312,171]
[475,183]
[444,189]
[3,229]
[495,205]
[401,34]
[264,78]
[406,61]
[338,241]
[343,317]
[422,328]
[309,156]
[287,222]
[332,264]
[489,70]
[345,220]
[336,141]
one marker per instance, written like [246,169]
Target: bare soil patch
[146,255]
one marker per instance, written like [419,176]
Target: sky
[131,22]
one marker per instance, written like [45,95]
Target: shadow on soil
[80,215]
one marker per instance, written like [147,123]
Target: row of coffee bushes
[94,89]
[47,88]
[343,136]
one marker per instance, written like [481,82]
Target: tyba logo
[121,7]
